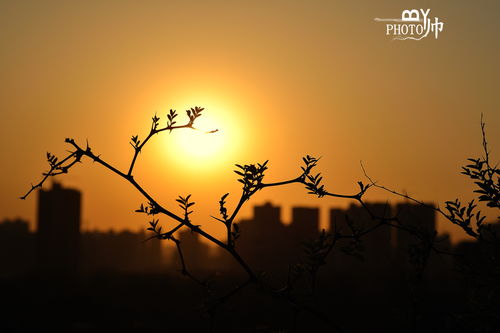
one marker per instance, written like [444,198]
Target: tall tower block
[58,231]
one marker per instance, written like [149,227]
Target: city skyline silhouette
[98,265]
[59,245]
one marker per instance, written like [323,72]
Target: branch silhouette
[251,176]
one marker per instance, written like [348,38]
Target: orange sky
[281,78]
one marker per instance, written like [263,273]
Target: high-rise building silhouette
[269,245]
[305,222]
[263,241]
[418,220]
[375,247]
[16,248]
[268,216]
[58,231]
[415,217]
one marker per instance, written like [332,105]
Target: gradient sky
[281,79]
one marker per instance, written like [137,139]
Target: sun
[205,141]
[214,141]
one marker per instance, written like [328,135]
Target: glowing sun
[206,140]
[214,141]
